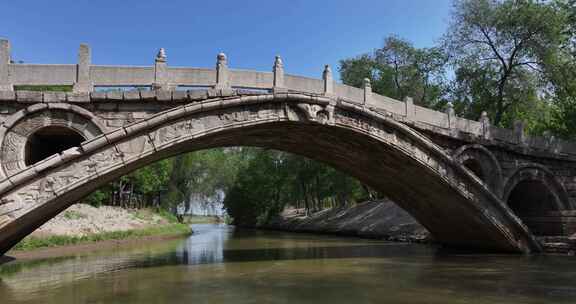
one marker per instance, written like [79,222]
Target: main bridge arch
[381,152]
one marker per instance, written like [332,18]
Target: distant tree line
[257,183]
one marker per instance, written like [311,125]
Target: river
[220,264]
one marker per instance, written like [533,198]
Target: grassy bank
[171,229]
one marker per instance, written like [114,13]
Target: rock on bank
[375,219]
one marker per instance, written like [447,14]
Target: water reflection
[219,264]
[206,246]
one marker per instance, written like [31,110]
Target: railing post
[160,72]
[519,132]
[5,84]
[328,81]
[410,111]
[485,121]
[451,115]
[222,73]
[367,90]
[278,70]
[83,83]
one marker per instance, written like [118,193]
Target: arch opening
[48,141]
[376,157]
[531,201]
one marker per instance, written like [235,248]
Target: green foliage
[496,50]
[270,180]
[514,59]
[398,70]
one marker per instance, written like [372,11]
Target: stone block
[213,93]
[136,127]
[94,144]
[36,107]
[147,95]
[156,120]
[193,108]
[195,95]
[227,92]
[132,95]
[7,95]
[163,96]
[78,97]
[176,113]
[115,95]
[22,176]
[115,135]
[212,105]
[179,96]
[54,97]
[70,153]
[48,163]
[12,119]
[5,185]
[28,96]
[98,96]
[257,92]
[59,106]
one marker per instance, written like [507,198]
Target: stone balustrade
[182,84]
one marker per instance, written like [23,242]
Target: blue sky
[307,34]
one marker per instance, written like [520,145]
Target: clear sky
[306,33]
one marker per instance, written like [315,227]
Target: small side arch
[533,192]
[24,133]
[480,161]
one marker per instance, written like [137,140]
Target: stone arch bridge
[470,184]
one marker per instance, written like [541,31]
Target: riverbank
[375,219]
[84,224]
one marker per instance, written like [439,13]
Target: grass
[172,229]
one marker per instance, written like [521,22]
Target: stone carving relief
[13,144]
[323,114]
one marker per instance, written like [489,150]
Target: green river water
[220,264]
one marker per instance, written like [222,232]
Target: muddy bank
[82,220]
[376,219]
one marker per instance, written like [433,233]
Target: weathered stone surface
[98,96]
[147,95]
[115,95]
[179,96]
[28,96]
[350,137]
[7,96]
[83,83]
[78,97]
[195,95]
[132,95]
[54,97]
[433,164]
[165,96]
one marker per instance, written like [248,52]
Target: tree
[398,70]
[496,48]
[560,69]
